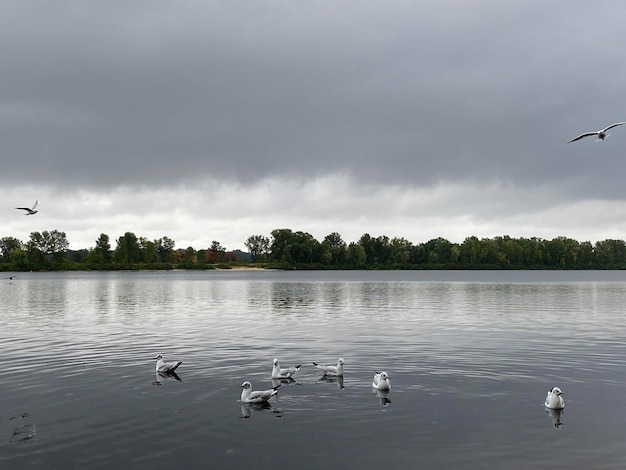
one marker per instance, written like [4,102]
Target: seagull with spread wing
[603,134]
[30,210]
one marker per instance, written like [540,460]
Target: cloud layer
[218,120]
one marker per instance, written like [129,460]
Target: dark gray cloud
[216,120]
[152,93]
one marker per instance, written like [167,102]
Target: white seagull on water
[603,134]
[165,367]
[554,399]
[381,381]
[30,210]
[331,371]
[259,396]
[278,373]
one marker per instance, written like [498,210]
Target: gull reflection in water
[248,408]
[166,377]
[277,382]
[383,395]
[556,417]
[333,380]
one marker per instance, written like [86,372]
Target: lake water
[471,357]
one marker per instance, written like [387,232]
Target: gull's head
[556,391]
[275,361]
[384,375]
[157,357]
[340,361]
[246,385]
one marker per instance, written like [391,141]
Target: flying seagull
[30,210]
[601,134]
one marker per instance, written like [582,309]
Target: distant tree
[258,247]
[19,259]
[280,245]
[8,244]
[610,253]
[201,256]
[216,246]
[470,251]
[101,252]
[46,247]
[127,250]
[165,249]
[400,249]
[304,248]
[334,249]
[190,256]
[356,255]
[217,253]
[150,252]
[377,250]
[438,251]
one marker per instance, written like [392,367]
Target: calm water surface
[471,357]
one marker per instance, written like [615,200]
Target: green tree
[400,249]
[101,253]
[7,245]
[258,247]
[470,251]
[304,248]
[19,259]
[149,252]
[280,245]
[438,251]
[610,254]
[356,256]
[165,249]
[334,249]
[189,258]
[46,249]
[127,250]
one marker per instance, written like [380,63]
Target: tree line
[291,249]
[49,251]
[287,249]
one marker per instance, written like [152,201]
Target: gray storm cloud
[134,102]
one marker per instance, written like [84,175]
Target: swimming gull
[603,134]
[30,210]
[165,367]
[278,373]
[381,381]
[333,371]
[554,399]
[259,396]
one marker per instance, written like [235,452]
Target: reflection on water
[248,408]
[332,380]
[166,377]
[556,416]
[471,355]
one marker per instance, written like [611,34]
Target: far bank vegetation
[287,249]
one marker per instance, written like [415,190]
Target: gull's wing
[263,395]
[36,204]
[582,136]
[24,209]
[613,125]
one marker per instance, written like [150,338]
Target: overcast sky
[216,120]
